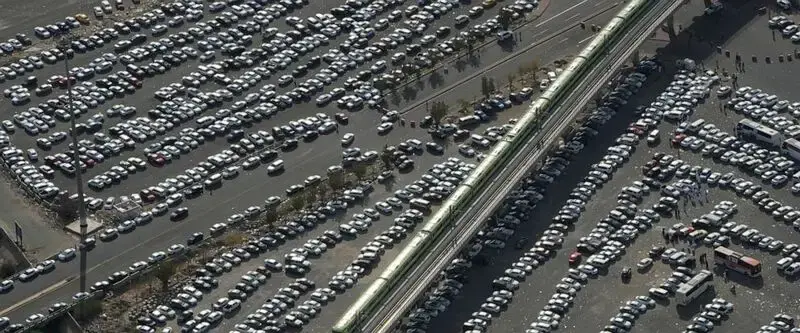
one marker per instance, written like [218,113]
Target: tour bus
[791,147]
[737,261]
[696,286]
[749,129]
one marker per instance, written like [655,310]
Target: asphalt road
[315,157]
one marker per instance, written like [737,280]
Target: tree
[6,269]
[336,181]
[438,111]
[458,45]
[297,201]
[521,72]
[89,309]
[463,106]
[505,18]
[67,209]
[533,67]
[271,216]
[386,158]
[164,273]
[360,171]
[310,194]
[485,88]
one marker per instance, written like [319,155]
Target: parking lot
[206,88]
[483,302]
[166,128]
[244,190]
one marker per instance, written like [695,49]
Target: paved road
[315,158]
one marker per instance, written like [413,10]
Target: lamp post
[64,44]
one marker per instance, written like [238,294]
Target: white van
[604,168]
[792,270]
[11,152]
[420,204]
[416,144]
[695,126]
[784,263]
[634,191]
[479,141]
[275,166]
[796,177]
[214,180]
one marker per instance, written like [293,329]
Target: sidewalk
[40,238]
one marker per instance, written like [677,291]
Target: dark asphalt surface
[599,299]
[338,257]
[253,187]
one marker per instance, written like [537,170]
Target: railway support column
[671,28]
[636,57]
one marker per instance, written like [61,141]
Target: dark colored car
[179,214]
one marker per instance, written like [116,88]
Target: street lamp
[64,45]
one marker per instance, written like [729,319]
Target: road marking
[37,295]
[573,17]
[563,40]
[540,33]
[561,13]
[585,39]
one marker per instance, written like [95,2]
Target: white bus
[697,285]
[791,147]
[749,129]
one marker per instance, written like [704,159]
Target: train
[442,220]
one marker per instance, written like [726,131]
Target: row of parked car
[296,263]
[499,230]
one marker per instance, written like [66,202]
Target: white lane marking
[563,40]
[35,296]
[540,33]
[585,39]
[572,17]
[561,13]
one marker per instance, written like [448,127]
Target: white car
[6,285]
[275,166]
[66,254]
[137,266]
[157,256]
[385,127]
[348,139]
[644,264]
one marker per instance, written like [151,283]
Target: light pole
[65,46]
